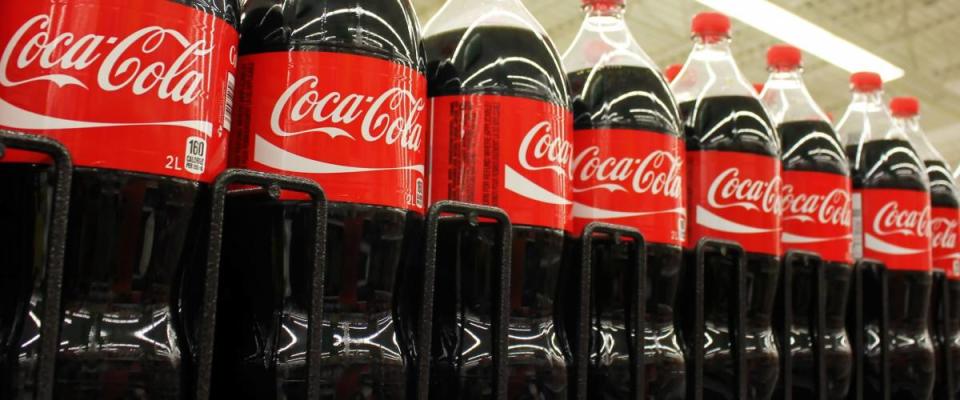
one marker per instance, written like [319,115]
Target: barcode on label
[228,103]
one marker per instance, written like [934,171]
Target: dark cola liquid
[890,164]
[131,291]
[537,359]
[805,151]
[643,103]
[371,250]
[133,243]
[762,272]
[944,321]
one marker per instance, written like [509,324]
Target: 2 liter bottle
[143,105]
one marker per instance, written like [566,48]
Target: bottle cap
[866,81]
[905,107]
[758,87]
[672,71]
[784,57]
[710,24]
[605,4]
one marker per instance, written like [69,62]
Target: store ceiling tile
[916,35]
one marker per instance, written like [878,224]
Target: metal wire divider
[867,273]
[736,319]
[53,271]
[471,212]
[941,314]
[638,259]
[273,184]
[811,262]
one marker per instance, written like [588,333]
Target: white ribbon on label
[877,244]
[585,211]
[17,118]
[271,155]
[519,184]
[718,223]
[798,239]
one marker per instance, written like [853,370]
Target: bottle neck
[604,39]
[867,119]
[925,149]
[711,71]
[787,99]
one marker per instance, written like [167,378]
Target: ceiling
[916,35]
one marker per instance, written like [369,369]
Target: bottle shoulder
[499,60]
[623,97]
[383,29]
[729,123]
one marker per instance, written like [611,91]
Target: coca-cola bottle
[333,91]
[502,137]
[817,218]
[140,93]
[891,202]
[944,222]
[628,170]
[733,170]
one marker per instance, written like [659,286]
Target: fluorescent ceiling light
[787,26]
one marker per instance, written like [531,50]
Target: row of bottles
[481,108]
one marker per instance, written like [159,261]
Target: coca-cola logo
[729,190]
[546,148]
[892,220]
[392,117]
[944,233]
[834,208]
[120,63]
[658,174]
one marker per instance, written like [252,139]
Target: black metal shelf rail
[56,246]
[735,252]
[874,272]
[944,332]
[813,262]
[591,233]
[273,184]
[501,304]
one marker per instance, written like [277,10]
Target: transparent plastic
[724,120]
[881,157]
[921,144]
[605,40]
[621,100]
[787,99]
[480,54]
[810,145]
[710,71]
[867,119]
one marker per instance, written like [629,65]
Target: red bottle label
[354,124]
[818,214]
[736,197]
[134,85]
[895,228]
[509,152]
[633,178]
[944,229]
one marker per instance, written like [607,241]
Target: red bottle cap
[784,57]
[605,4]
[866,81]
[672,71]
[710,24]
[758,87]
[905,107]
